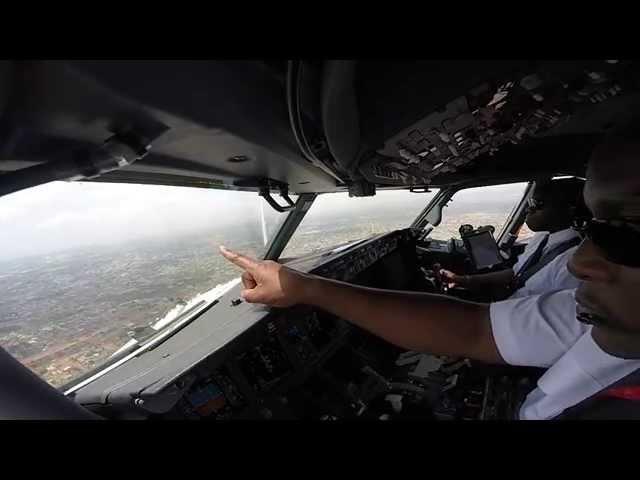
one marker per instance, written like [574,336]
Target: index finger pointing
[238,259]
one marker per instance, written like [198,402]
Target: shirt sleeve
[537,330]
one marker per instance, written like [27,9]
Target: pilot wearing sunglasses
[542,267]
[587,338]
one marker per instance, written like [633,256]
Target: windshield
[85,267]
[479,206]
[336,218]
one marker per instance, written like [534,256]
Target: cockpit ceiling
[237,125]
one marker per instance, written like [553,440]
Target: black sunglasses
[618,240]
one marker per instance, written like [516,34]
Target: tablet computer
[483,249]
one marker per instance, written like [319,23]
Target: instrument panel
[520,108]
[215,397]
[250,377]
[281,354]
[349,266]
[265,364]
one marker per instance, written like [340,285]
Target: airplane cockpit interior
[377,173]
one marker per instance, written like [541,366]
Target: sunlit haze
[62,215]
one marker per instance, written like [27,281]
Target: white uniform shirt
[553,276]
[542,331]
[530,247]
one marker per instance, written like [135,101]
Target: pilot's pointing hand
[266,281]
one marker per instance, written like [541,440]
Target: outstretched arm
[418,321]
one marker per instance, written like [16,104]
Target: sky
[62,215]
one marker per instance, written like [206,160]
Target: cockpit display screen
[207,399]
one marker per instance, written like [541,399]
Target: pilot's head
[608,261]
[555,204]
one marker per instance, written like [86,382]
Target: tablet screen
[483,249]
